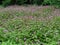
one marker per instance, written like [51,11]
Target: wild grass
[29,28]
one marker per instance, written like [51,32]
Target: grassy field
[29,25]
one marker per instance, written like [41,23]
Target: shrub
[52,2]
[19,2]
[37,2]
[6,2]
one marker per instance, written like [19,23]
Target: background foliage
[36,2]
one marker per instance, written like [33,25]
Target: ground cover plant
[32,25]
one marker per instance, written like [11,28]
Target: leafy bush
[52,2]
[9,2]
[19,2]
[6,2]
[37,2]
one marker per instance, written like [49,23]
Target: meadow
[29,25]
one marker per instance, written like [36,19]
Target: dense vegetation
[36,2]
[25,28]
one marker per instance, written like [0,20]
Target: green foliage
[6,2]
[18,31]
[36,2]
[15,29]
[52,2]
[19,2]
[8,43]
